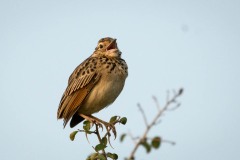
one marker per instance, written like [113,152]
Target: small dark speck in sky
[184,28]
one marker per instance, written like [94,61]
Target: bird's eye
[100,46]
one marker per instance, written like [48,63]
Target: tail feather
[75,120]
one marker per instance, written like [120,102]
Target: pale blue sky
[167,45]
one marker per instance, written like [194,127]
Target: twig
[79,130]
[175,107]
[168,95]
[156,102]
[167,141]
[157,122]
[143,114]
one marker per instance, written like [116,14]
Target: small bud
[122,137]
[180,91]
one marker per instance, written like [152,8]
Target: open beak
[112,45]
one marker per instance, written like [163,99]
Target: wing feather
[77,90]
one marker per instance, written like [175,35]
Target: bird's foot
[100,123]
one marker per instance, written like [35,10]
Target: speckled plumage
[94,84]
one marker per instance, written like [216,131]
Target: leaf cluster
[100,153]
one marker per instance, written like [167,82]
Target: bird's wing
[80,84]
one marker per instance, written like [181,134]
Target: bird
[94,84]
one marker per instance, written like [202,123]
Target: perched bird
[94,84]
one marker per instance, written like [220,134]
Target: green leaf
[86,125]
[101,157]
[123,120]
[156,141]
[73,134]
[122,137]
[92,156]
[100,147]
[146,146]
[113,119]
[112,155]
[104,141]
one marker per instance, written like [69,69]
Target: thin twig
[79,130]
[157,122]
[168,95]
[175,107]
[156,102]
[168,141]
[143,114]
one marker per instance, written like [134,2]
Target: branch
[154,121]
[99,139]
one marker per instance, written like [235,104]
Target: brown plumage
[94,84]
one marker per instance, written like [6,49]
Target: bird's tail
[75,120]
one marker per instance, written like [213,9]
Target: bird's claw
[98,124]
[110,127]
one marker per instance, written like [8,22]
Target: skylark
[94,84]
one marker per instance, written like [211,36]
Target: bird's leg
[98,121]
[91,119]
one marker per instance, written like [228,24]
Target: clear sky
[167,45]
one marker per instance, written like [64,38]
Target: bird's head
[107,47]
